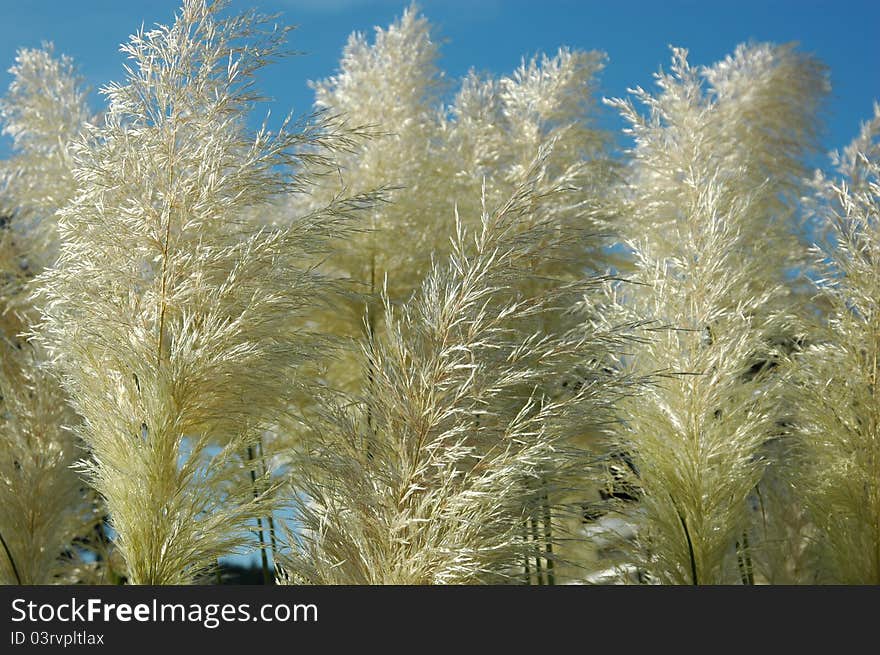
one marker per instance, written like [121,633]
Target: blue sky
[493,35]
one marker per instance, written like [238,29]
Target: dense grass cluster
[423,337]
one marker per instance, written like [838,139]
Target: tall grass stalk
[47,512]
[838,463]
[171,312]
[714,170]
[457,442]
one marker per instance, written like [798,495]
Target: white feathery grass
[433,159]
[427,477]
[838,468]
[171,314]
[711,175]
[47,511]
[44,110]
[44,505]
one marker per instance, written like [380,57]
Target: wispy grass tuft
[838,466]
[171,312]
[47,511]
[714,170]
[429,475]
